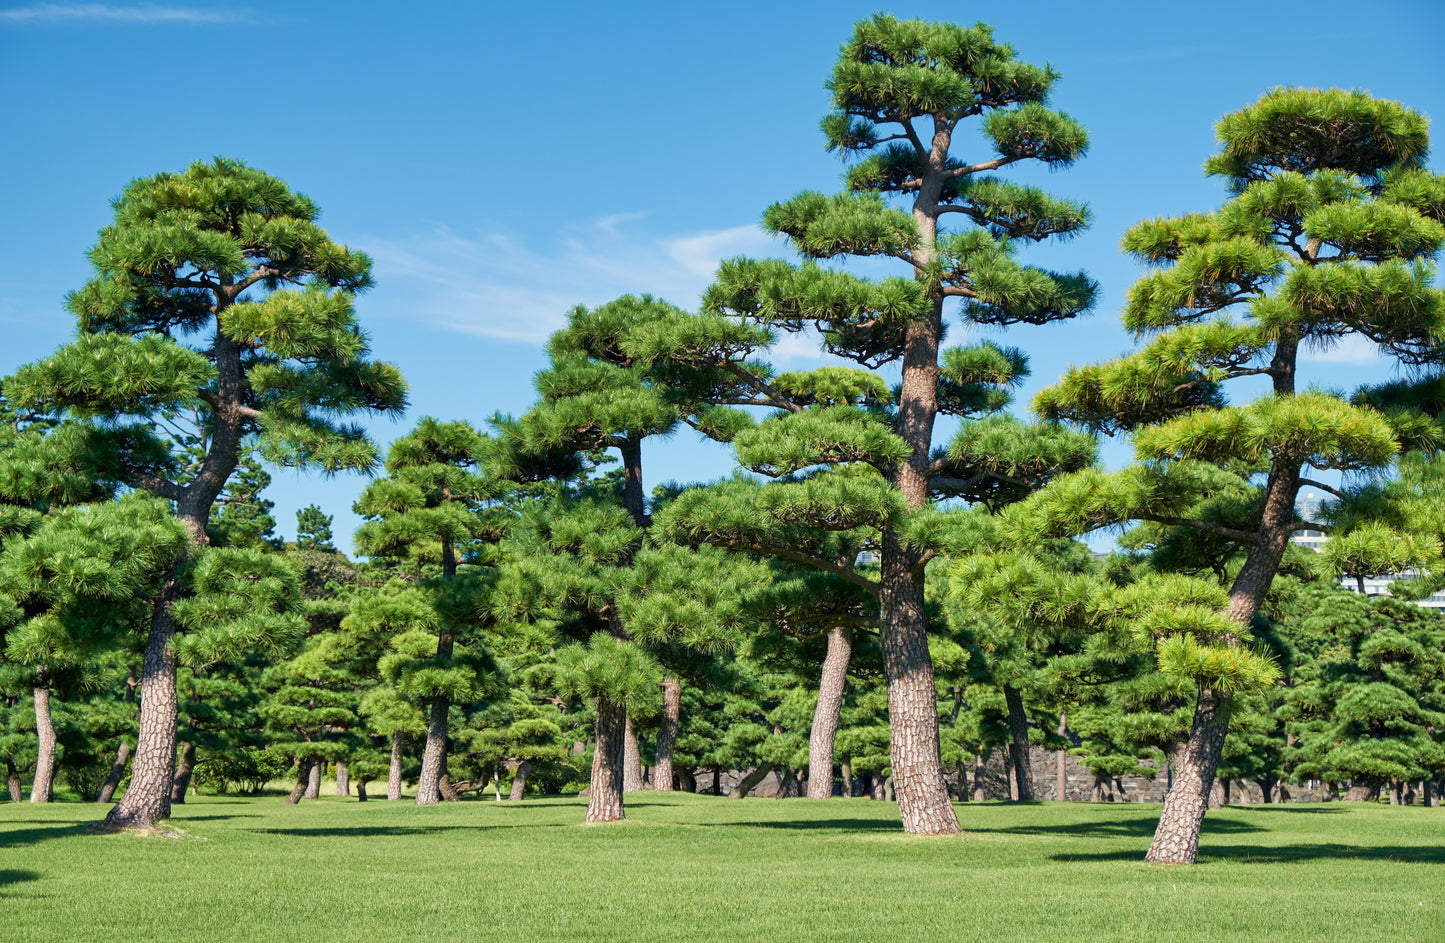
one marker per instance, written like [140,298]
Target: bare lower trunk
[398,755]
[343,780]
[41,786]
[117,772]
[1176,841]
[825,716]
[1061,769]
[632,778]
[519,781]
[313,782]
[980,767]
[428,788]
[923,803]
[845,771]
[12,782]
[686,779]
[147,799]
[667,733]
[751,780]
[717,780]
[1018,725]
[361,790]
[303,776]
[604,795]
[185,769]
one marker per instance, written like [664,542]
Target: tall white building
[1309,506]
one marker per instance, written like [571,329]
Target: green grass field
[698,868]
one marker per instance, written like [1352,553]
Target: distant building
[1309,507]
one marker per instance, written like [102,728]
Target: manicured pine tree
[392,626]
[1328,233]
[431,508]
[313,529]
[904,93]
[215,293]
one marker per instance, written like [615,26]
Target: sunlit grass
[700,868]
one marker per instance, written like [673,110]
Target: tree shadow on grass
[1284,854]
[12,838]
[380,831]
[8,877]
[840,825]
[1139,827]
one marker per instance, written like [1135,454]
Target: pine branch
[1323,487]
[1244,536]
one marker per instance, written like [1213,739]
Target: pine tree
[313,529]
[1329,232]
[217,295]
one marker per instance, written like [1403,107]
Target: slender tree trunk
[42,785]
[604,797]
[687,779]
[845,773]
[361,790]
[667,733]
[825,716]
[1176,841]
[1018,725]
[313,782]
[428,784]
[717,772]
[1224,785]
[519,781]
[751,780]
[12,782]
[1061,771]
[343,780]
[184,771]
[980,767]
[393,776]
[633,779]
[117,772]
[303,777]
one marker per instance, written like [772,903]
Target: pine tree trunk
[343,780]
[304,769]
[42,785]
[923,803]
[428,784]
[1363,792]
[1224,785]
[751,780]
[825,716]
[845,771]
[12,782]
[1061,770]
[1018,724]
[361,790]
[687,780]
[632,777]
[717,780]
[313,782]
[1176,841]
[604,797]
[980,767]
[398,756]
[147,799]
[667,733]
[117,772]
[184,771]
[519,781]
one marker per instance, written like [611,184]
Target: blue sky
[503,162]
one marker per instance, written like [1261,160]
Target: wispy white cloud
[496,285]
[1353,350]
[111,13]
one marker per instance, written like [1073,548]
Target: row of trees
[514,577]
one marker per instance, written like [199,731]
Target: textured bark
[303,777]
[633,779]
[343,780]
[1018,725]
[117,772]
[980,766]
[519,781]
[44,781]
[604,795]
[1363,792]
[12,782]
[845,771]
[1061,769]
[398,755]
[667,733]
[923,803]
[825,716]
[1176,841]
[313,783]
[751,780]
[428,784]
[147,799]
[185,769]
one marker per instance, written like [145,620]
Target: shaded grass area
[702,868]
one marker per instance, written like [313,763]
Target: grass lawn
[698,868]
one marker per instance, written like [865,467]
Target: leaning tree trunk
[519,781]
[1018,725]
[12,782]
[923,802]
[825,716]
[343,780]
[633,779]
[1176,841]
[117,772]
[361,790]
[40,787]
[604,795]
[313,782]
[398,755]
[303,776]
[667,733]
[748,782]
[184,771]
